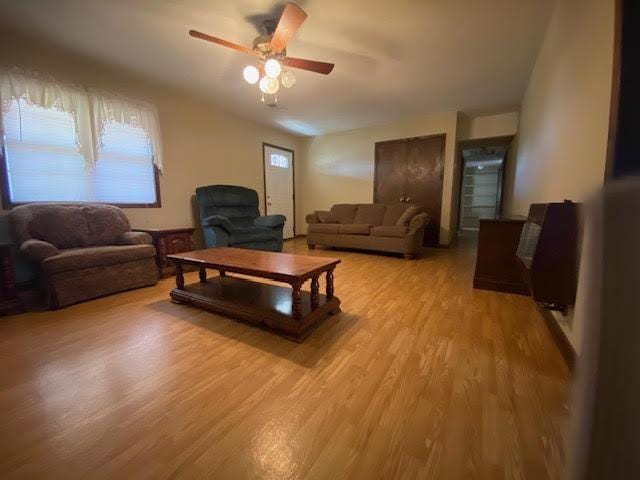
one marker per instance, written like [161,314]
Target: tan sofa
[395,228]
[83,251]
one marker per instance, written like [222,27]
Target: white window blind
[43,163]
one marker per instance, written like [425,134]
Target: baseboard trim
[564,345]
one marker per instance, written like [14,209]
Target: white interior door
[278,183]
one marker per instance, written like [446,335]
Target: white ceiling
[394,59]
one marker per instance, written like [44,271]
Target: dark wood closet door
[390,171]
[425,173]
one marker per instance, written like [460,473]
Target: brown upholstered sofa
[83,251]
[395,228]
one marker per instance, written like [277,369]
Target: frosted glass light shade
[251,74]
[269,85]
[288,79]
[272,68]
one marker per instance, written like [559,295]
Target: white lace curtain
[92,110]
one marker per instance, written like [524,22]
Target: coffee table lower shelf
[257,303]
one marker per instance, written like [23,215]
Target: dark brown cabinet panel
[412,171]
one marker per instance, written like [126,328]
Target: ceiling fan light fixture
[251,74]
[288,79]
[269,85]
[272,68]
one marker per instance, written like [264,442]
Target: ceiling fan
[271,52]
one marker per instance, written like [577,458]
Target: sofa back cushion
[370,213]
[393,213]
[343,212]
[69,226]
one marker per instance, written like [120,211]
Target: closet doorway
[411,170]
[482,180]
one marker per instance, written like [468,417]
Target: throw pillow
[326,217]
[408,214]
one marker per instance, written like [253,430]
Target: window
[279,161]
[64,143]
[43,163]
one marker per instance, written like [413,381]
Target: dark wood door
[411,170]
[425,173]
[390,171]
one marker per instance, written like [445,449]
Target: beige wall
[565,112]
[562,140]
[202,144]
[487,126]
[338,168]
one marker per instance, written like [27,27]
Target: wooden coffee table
[290,311]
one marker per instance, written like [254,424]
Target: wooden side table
[169,241]
[9,302]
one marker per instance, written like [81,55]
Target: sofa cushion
[344,212]
[393,213]
[252,234]
[370,213]
[408,214]
[355,229]
[78,258]
[323,228]
[64,226]
[389,231]
[323,216]
[106,223]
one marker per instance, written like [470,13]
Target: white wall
[339,167]
[564,122]
[487,126]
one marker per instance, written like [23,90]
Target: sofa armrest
[218,221]
[419,221]
[134,238]
[270,221]
[38,250]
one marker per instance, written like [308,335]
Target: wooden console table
[497,265]
[168,241]
[289,311]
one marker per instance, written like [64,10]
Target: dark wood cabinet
[412,170]
[497,262]
[9,302]
[169,241]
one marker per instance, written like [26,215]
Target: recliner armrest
[38,250]
[134,238]
[270,221]
[218,221]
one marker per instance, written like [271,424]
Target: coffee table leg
[222,273]
[329,284]
[179,276]
[315,292]
[296,302]
[203,274]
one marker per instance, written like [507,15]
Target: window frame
[7,204]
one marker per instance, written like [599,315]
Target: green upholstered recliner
[230,217]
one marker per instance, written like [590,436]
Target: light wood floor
[420,376]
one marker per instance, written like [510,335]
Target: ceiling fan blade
[311,65]
[290,21]
[220,41]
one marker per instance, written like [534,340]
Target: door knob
[408,199]
[402,199]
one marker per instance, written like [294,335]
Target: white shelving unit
[479,194]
